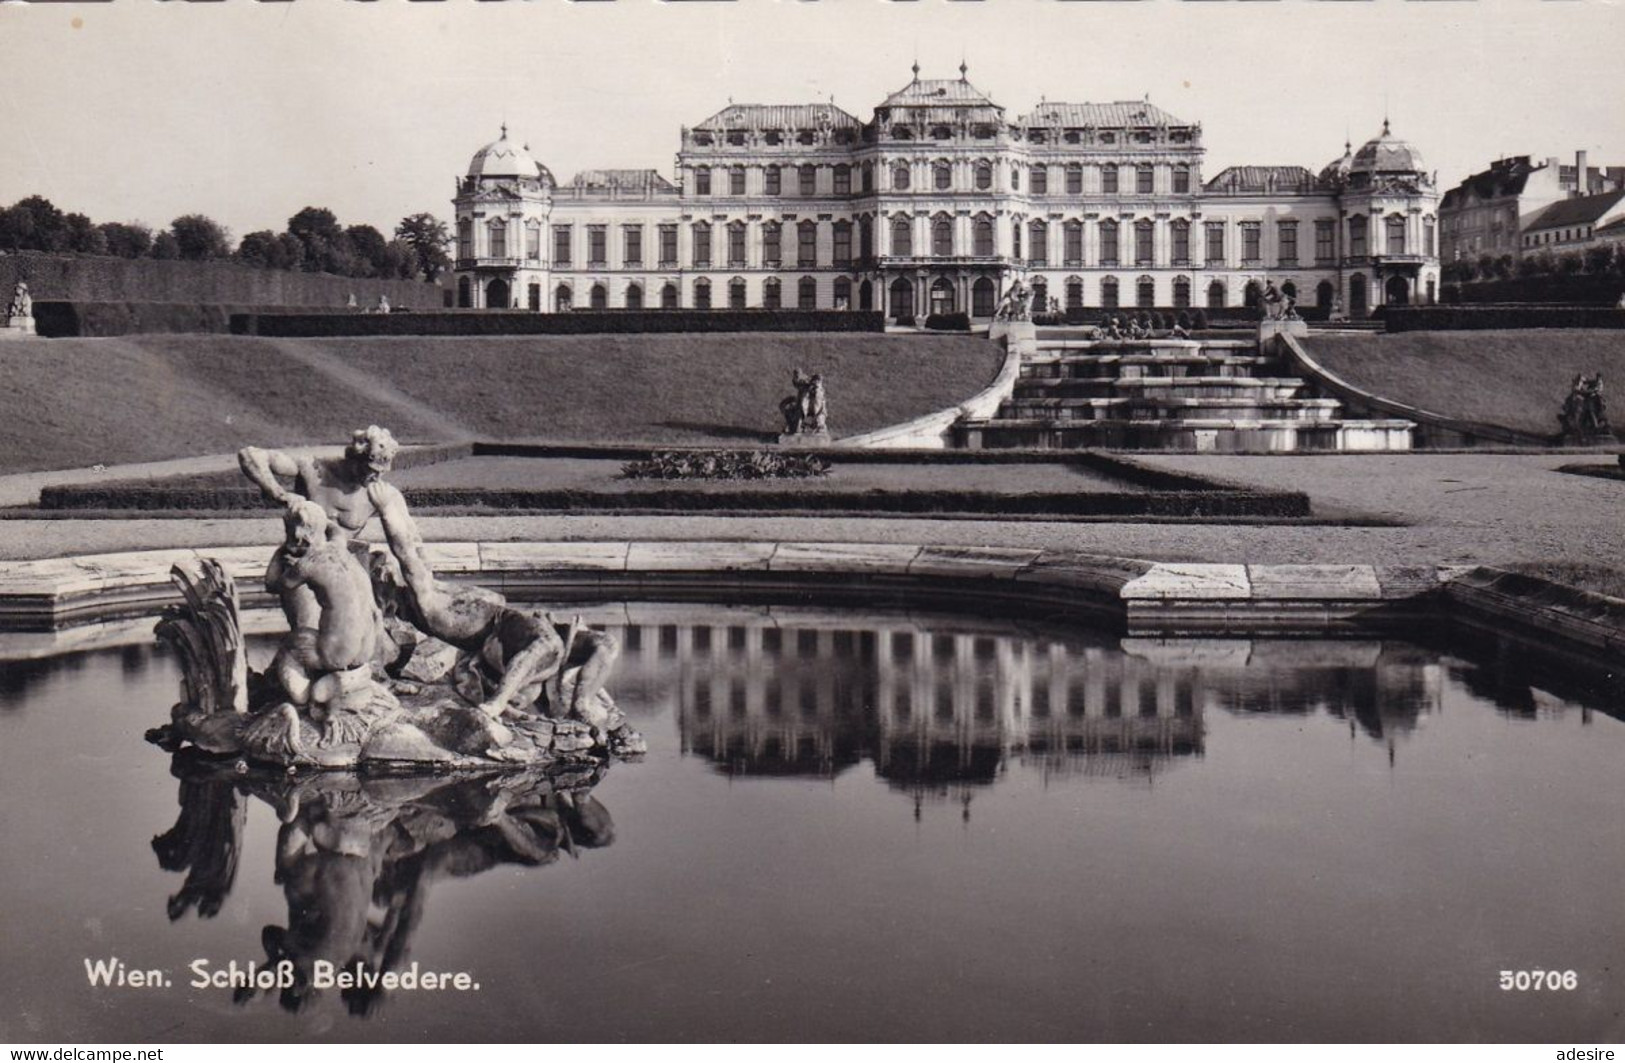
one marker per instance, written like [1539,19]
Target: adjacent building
[1487,213]
[934,204]
[1575,224]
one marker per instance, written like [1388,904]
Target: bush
[1199,318]
[56,318]
[725,465]
[1573,290]
[1451,318]
[950,322]
[522,323]
[904,320]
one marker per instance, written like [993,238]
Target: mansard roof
[622,181]
[1581,210]
[779,116]
[1121,114]
[939,92]
[1237,180]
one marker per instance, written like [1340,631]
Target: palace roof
[779,116]
[1238,180]
[1118,115]
[622,181]
[939,92]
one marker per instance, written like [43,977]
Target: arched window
[866,238]
[1215,295]
[465,293]
[1252,295]
[984,175]
[1357,237]
[1108,293]
[533,241]
[1074,293]
[600,297]
[1016,225]
[983,230]
[1289,289]
[634,297]
[498,232]
[1145,293]
[771,299]
[842,242]
[1358,303]
[1396,234]
[1038,253]
[1040,296]
[941,296]
[899,177]
[866,296]
[1182,292]
[868,178]
[843,293]
[901,298]
[942,175]
[772,253]
[1325,293]
[736,294]
[533,296]
[807,294]
[1015,179]
[702,294]
[562,298]
[668,297]
[942,236]
[902,236]
[1181,230]
[983,295]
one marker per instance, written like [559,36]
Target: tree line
[1602,260]
[313,241]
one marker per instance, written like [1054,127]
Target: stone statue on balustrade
[19,321]
[1584,416]
[384,664]
[1279,305]
[806,413]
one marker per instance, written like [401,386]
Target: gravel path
[1460,508]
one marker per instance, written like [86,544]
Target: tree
[199,238]
[427,236]
[130,240]
[33,224]
[165,247]
[317,229]
[263,249]
[1570,263]
[1599,258]
[367,244]
[81,236]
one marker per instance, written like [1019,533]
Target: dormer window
[806,136]
[703,139]
[736,138]
[1108,138]
[1074,137]
[1038,136]
[773,136]
[901,132]
[983,132]
[941,132]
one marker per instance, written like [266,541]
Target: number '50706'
[1524,981]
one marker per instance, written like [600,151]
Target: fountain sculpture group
[385,665]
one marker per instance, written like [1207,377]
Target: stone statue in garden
[806,412]
[1585,412]
[19,322]
[383,664]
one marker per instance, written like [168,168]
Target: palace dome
[1387,154]
[502,158]
[1336,172]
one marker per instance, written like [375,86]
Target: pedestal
[806,439]
[20,328]
[1270,328]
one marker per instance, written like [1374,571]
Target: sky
[247,112]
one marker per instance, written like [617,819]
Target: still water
[882,826]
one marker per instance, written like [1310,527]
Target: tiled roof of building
[939,92]
[1127,113]
[779,116]
[1583,210]
[623,181]
[1506,177]
[1613,228]
[1261,179]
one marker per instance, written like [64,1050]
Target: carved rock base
[806,439]
[18,329]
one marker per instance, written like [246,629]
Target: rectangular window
[465,239]
[1396,236]
[702,182]
[1357,237]
[1108,244]
[1040,180]
[1074,180]
[1182,245]
[561,246]
[771,177]
[597,245]
[807,245]
[1108,180]
[843,180]
[1286,237]
[770,245]
[702,247]
[809,181]
[1142,245]
[1144,180]
[533,243]
[843,244]
[1325,252]
[1182,179]
[1215,243]
[736,181]
[668,245]
[1074,244]
[736,245]
[632,246]
[1251,242]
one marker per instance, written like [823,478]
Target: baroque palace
[936,205]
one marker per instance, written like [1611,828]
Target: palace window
[736,294]
[1039,249]
[1182,242]
[632,246]
[533,245]
[498,231]
[561,246]
[1145,293]
[1072,239]
[1286,239]
[1427,237]
[1215,243]
[866,238]
[1074,293]
[771,299]
[1396,235]
[1182,178]
[1215,295]
[899,177]
[771,255]
[843,180]
[736,181]
[770,181]
[1040,181]
[808,180]
[668,245]
[465,239]
[868,180]
[634,297]
[843,293]
[702,245]
[702,294]
[1015,238]
[1108,293]
[1015,179]
[1074,180]
[942,236]
[668,297]
[984,176]
[1357,245]
[597,246]
[562,298]
[983,230]
[1182,292]
[1251,243]
[1108,243]
[807,294]
[598,298]
[942,176]
[736,138]
[843,243]
[1325,243]
[736,243]
[1144,179]
[807,243]
[902,237]
[1143,245]
[702,181]
[1108,180]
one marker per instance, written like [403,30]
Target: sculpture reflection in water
[357,856]
[384,663]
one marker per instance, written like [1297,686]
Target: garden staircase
[1218,395]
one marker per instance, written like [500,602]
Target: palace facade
[935,205]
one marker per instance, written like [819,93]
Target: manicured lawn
[76,402]
[1516,378]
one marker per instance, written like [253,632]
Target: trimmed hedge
[523,323]
[1453,318]
[1573,290]
[948,322]
[104,279]
[55,318]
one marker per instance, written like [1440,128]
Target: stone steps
[1187,387]
[1112,367]
[1170,409]
[1218,435]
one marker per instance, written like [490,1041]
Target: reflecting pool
[878,826]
